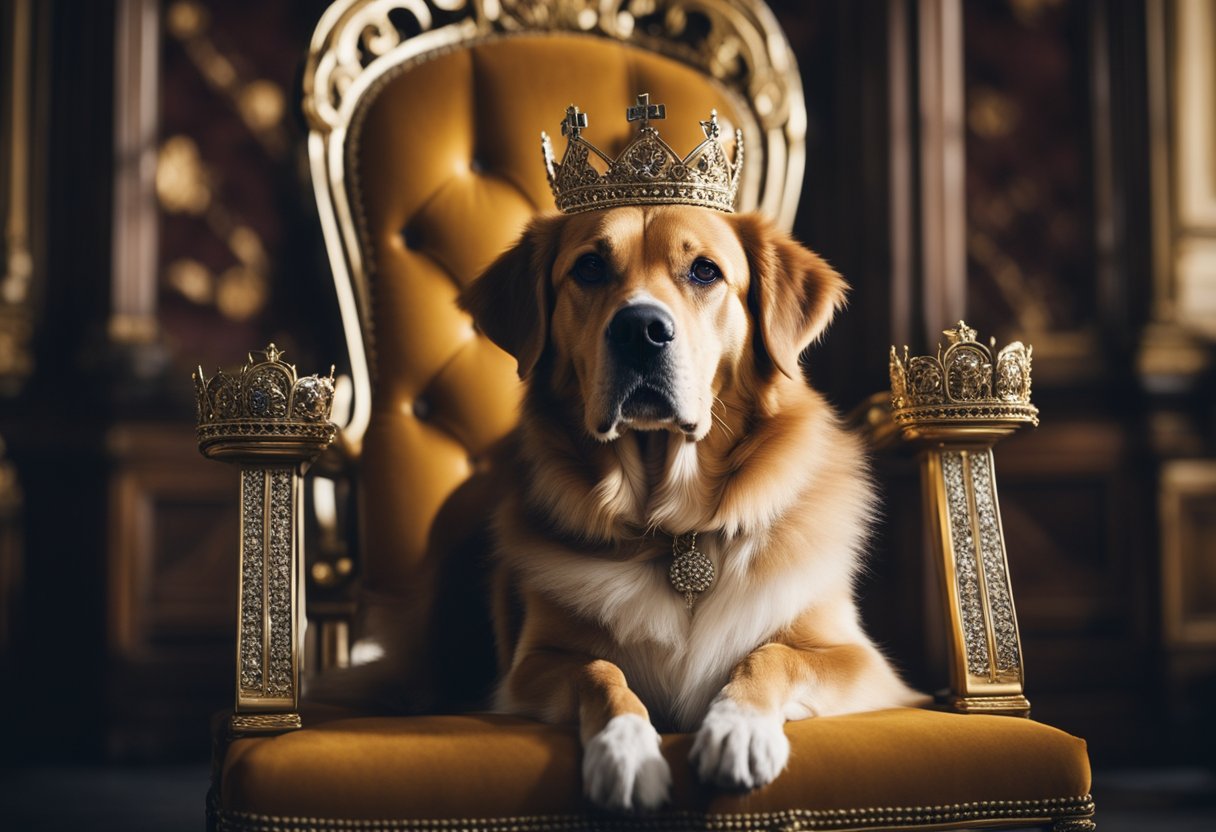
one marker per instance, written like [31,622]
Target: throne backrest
[425,152]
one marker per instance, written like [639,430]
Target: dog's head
[650,313]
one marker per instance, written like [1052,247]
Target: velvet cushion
[906,762]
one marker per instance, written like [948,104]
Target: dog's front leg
[623,768]
[742,743]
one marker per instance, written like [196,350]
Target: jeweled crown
[267,402]
[966,380]
[648,171]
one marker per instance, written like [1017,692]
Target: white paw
[739,748]
[622,766]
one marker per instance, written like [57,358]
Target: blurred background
[1052,161]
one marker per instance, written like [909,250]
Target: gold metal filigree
[647,171]
[967,382]
[265,410]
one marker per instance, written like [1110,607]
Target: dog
[659,346]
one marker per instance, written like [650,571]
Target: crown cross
[574,122]
[644,111]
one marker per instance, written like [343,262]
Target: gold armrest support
[953,408]
[272,424]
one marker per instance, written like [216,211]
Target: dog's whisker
[720,420]
[731,406]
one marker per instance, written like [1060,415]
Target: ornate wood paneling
[1188,544]
[171,598]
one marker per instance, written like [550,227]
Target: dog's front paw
[622,766]
[738,748]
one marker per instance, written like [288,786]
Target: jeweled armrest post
[272,424]
[955,407]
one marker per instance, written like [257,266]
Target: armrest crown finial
[966,383]
[266,410]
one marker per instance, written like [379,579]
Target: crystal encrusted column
[272,424]
[954,407]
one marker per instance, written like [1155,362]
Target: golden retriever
[660,350]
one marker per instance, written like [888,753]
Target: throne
[424,118]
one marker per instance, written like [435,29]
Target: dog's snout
[640,331]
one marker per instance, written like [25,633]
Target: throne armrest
[952,409]
[272,424]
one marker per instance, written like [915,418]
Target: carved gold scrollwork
[732,42]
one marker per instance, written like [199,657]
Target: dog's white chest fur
[676,659]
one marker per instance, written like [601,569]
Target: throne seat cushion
[874,770]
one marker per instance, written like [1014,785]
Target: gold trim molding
[264,723]
[358,44]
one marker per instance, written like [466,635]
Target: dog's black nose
[639,332]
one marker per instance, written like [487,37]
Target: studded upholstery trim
[998,813]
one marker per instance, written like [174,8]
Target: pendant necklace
[692,572]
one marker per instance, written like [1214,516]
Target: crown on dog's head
[648,171]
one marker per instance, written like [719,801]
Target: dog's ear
[511,301]
[793,294]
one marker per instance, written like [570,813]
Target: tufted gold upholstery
[442,168]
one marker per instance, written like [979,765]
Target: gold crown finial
[266,409]
[967,382]
[960,332]
[271,352]
[648,171]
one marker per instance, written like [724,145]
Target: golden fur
[750,457]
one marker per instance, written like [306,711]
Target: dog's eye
[590,268]
[704,271]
